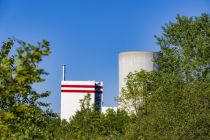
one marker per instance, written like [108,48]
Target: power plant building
[132,61]
[72,92]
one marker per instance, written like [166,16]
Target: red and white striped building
[73,91]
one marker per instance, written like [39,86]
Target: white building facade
[132,61]
[74,91]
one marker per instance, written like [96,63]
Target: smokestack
[63,72]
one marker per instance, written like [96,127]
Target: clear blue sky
[88,35]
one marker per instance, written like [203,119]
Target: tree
[19,104]
[88,123]
[185,47]
[134,95]
[178,95]
[184,90]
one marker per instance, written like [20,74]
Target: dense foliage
[174,102]
[171,103]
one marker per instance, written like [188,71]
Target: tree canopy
[176,98]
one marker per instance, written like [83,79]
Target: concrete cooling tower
[135,61]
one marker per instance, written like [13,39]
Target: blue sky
[87,35]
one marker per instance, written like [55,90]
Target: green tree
[185,47]
[177,97]
[91,124]
[135,93]
[86,122]
[19,103]
[184,90]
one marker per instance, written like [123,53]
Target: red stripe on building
[81,86]
[79,91]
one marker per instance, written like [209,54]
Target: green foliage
[90,124]
[176,98]
[137,86]
[20,114]
[19,71]
[185,47]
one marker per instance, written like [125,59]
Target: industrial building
[132,61]
[73,91]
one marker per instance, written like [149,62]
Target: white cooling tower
[135,61]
